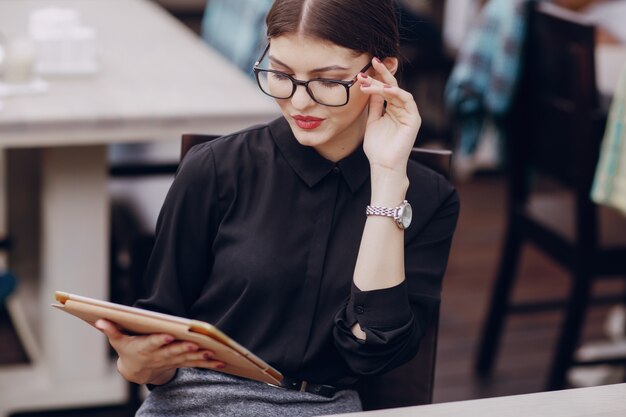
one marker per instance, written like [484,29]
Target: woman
[264,232]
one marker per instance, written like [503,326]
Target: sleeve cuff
[384,308]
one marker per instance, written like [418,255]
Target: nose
[301,98]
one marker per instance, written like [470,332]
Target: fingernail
[192,348]
[386,86]
[220,366]
[364,75]
[207,356]
[168,339]
[365,84]
[378,60]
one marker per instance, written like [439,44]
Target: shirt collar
[310,166]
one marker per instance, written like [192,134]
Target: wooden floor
[525,354]
[528,341]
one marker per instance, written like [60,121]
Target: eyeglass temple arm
[258,62]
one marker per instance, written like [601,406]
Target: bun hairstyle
[364,26]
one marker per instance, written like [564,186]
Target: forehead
[305,52]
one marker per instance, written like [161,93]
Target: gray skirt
[201,392]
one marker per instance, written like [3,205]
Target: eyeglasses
[277,84]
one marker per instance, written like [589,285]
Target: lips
[307,122]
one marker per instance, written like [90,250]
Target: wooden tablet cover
[239,361]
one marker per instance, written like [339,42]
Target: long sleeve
[181,259]
[395,319]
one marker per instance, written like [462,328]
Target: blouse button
[359,310]
[336,170]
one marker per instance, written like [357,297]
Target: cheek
[356,105]
[283,104]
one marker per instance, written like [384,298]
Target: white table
[603,401]
[156,80]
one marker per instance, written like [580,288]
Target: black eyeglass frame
[295,82]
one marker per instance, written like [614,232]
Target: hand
[153,359]
[391,132]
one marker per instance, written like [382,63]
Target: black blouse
[259,236]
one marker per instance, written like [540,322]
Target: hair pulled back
[364,26]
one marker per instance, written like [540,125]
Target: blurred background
[94,96]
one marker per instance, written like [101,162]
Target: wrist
[163,377]
[145,376]
[388,188]
[401,214]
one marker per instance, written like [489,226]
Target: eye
[279,76]
[328,83]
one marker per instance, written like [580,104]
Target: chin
[309,137]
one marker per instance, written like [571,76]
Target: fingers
[157,350]
[156,341]
[200,359]
[381,92]
[217,365]
[177,349]
[109,329]
[143,344]
[387,87]
[377,107]
[386,76]
[184,355]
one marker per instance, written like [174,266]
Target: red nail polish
[364,75]
[365,84]
[207,356]
[169,339]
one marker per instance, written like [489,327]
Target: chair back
[557,122]
[411,383]
[189,140]
[436,159]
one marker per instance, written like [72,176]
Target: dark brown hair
[365,26]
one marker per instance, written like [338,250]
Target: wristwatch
[401,215]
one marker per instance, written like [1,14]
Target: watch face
[406,214]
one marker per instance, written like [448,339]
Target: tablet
[238,360]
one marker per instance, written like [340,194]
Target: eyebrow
[322,69]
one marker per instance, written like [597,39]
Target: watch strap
[381,211]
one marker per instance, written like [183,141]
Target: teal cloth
[8,283]
[483,80]
[609,185]
[236,28]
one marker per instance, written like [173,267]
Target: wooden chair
[554,132]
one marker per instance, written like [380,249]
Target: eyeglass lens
[281,86]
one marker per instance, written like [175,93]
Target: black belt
[327,391]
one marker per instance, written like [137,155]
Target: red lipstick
[307,122]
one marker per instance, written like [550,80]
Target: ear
[392,64]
